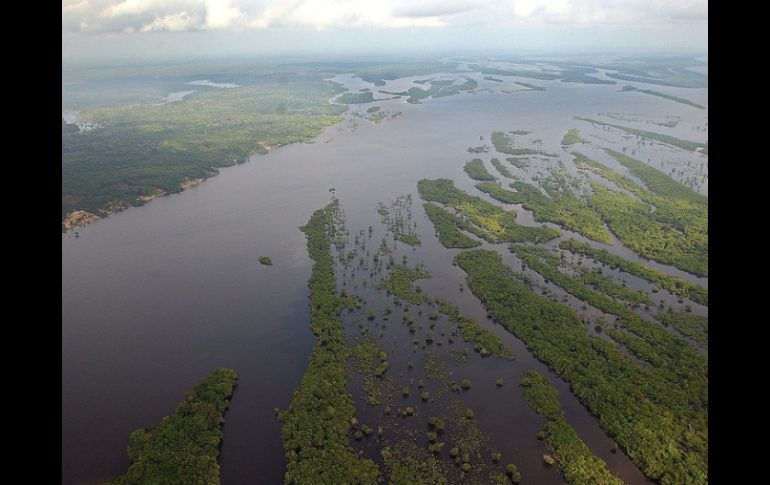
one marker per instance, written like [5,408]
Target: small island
[265,260]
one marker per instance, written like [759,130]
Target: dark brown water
[155,297]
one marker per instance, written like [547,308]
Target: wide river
[155,297]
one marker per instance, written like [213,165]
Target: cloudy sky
[150,29]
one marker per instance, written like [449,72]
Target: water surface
[155,297]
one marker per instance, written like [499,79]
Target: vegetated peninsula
[663,95]
[140,151]
[659,137]
[320,413]
[576,461]
[477,171]
[183,448]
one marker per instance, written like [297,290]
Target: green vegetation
[546,76]
[494,223]
[409,239]
[694,326]
[518,162]
[659,137]
[570,73]
[438,88]
[513,472]
[400,283]
[675,233]
[317,422]
[448,227]
[531,87]
[378,72]
[408,464]
[479,149]
[499,193]
[484,341]
[571,137]
[662,427]
[658,182]
[663,95]
[576,461]
[607,286]
[502,144]
[265,260]
[140,151]
[477,171]
[667,71]
[376,115]
[676,361]
[561,206]
[674,284]
[371,362]
[183,448]
[502,168]
[579,74]
[355,98]
[398,219]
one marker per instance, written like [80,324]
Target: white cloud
[129,7]
[221,14]
[177,22]
[94,16]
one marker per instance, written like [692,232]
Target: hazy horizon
[137,31]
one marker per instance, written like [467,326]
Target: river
[155,297]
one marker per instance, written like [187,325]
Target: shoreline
[82,218]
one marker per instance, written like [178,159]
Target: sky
[154,30]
